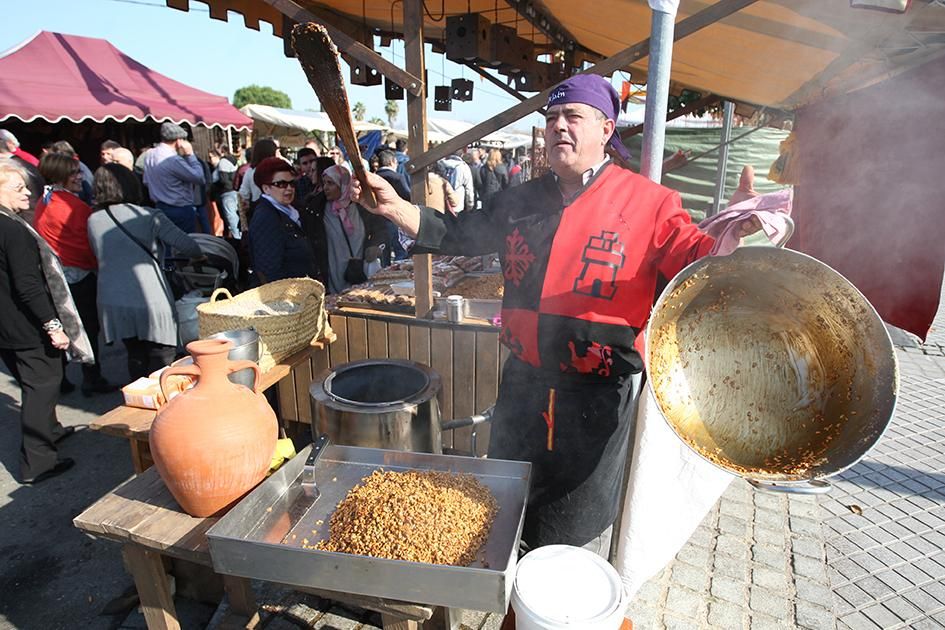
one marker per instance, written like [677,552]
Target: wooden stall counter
[134,423]
[467,356]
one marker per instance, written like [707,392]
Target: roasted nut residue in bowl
[418,516]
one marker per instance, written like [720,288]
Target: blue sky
[220,57]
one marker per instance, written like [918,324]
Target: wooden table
[134,423]
[142,515]
[153,530]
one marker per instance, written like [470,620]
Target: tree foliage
[376,120]
[261,95]
[391,108]
[687,97]
[359,110]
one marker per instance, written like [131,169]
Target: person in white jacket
[460,178]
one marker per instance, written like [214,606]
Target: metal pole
[657,95]
[728,112]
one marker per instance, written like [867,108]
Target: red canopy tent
[57,77]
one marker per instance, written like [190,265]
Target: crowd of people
[86,256]
[82,257]
[300,220]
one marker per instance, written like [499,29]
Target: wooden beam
[417,143]
[622,59]
[873,39]
[782,30]
[705,101]
[345,43]
[535,14]
[497,82]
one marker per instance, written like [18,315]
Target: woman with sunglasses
[278,246]
[62,219]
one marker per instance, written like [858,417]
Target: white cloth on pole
[665,6]
[671,489]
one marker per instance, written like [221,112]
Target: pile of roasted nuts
[418,516]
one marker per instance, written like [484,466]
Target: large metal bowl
[771,365]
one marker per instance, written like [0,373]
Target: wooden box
[468,38]
[509,51]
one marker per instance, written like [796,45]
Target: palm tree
[359,110]
[391,108]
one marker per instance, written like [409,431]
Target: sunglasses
[282,183]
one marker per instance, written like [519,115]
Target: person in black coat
[31,336]
[278,246]
[388,170]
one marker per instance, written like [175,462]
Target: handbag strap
[344,233]
[157,262]
[132,237]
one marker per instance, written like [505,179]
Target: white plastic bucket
[560,587]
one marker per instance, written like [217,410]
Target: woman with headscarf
[62,218]
[39,322]
[277,243]
[322,164]
[341,230]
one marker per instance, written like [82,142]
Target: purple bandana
[595,91]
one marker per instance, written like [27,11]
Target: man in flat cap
[584,252]
[173,176]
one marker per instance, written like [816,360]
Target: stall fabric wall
[467,360]
[695,182]
[870,199]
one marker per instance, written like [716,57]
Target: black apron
[576,436]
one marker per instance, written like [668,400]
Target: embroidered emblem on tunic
[518,258]
[597,359]
[603,257]
[511,342]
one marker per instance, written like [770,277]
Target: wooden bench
[134,423]
[142,515]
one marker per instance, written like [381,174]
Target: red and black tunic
[580,281]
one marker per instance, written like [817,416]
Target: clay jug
[213,443]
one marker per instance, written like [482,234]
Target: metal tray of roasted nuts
[266,536]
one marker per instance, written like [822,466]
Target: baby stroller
[201,279]
[221,269]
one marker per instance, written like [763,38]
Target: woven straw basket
[287,314]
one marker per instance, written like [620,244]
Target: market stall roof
[55,77]
[276,121]
[779,53]
[442,129]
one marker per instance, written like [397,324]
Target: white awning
[442,129]
[294,124]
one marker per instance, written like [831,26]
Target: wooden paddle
[319,58]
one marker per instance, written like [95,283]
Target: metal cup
[455,308]
[245,347]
